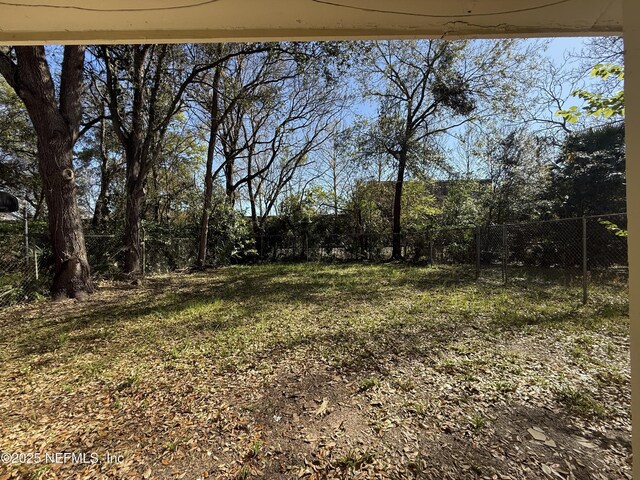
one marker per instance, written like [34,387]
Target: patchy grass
[580,400]
[320,371]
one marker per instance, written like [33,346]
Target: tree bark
[57,127]
[101,210]
[135,197]
[396,253]
[38,206]
[208,178]
[72,274]
[228,180]
[136,144]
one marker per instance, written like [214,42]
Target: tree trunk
[56,121]
[252,199]
[228,179]
[39,204]
[133,220]
[254,211]
[101,210]
[396,253]
[208,177]
[72,274]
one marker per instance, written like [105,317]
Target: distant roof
[438,188]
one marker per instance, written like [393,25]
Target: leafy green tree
[18,151]
[462,205]
[598,104]
[517,173]
[589,176]
[144,88]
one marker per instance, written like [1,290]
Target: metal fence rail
[573,252]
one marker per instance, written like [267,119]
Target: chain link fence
[20,277]
[573,252]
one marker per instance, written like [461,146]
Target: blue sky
[559,46]
[557,49]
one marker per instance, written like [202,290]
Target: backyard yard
[319,371]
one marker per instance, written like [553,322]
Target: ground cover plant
[321,371]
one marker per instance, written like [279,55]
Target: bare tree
[144,86]
[288,116]
[217,98]
[425,88]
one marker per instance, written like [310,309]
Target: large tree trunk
[396,252]
[135,197]
[208,178]
[72,275]
[56,123]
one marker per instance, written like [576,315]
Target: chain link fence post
[26,235]
[477,253]
[143,268]
[584,260]
[504,253]
[306,246]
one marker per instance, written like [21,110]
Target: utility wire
[92,9]
[429,15]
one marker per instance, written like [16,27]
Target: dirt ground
[318,371]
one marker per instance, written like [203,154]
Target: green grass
[348,314]
[201,337]
[580,400]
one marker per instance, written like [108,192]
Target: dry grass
[320,371]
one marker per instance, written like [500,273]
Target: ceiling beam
[124,21]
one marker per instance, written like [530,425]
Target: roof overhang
[106,21]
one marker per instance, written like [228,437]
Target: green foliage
[297,211]
[589,176]
[370,207]
[18,148]
[420,207]
[173,195]
[18,281]
[516,175]
[371,203]
[613,228]
[230,235]
[463,204]
[597,104]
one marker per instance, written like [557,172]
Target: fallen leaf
[537,434]
[587,444]
[322,410]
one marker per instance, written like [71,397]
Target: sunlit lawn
[321,371]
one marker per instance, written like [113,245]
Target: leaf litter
[320,371]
